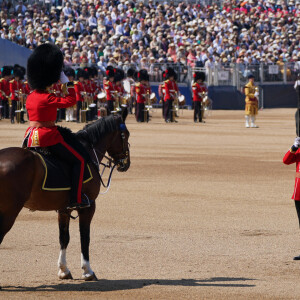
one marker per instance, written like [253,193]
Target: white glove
[63,78]
[297,142]
[256,94]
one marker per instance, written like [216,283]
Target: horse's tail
[16,178]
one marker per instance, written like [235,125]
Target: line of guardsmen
[118,92]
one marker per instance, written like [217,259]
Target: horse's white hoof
[62,275]
[89,277]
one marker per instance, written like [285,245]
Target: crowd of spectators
[143,35]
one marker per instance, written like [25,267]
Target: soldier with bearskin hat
[70,73]
[130,77]
[16,88]
[42,107]
[171,92]
[5,91]
[161,93]
[110,88]
[199,89]
[142,92]
[80,91]
[119,77]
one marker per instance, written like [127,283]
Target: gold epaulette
[12,81]
[76,82]
[194,84]
[166,81]
[106,82]
[138,84]
[1,79]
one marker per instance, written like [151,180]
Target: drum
[101,97]
[181,100]
[153,98]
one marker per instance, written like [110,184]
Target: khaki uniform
[251,108]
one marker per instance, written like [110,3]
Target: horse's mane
[97,130]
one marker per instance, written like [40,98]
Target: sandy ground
[204,212]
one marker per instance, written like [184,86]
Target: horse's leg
[7,221]
[64,238]
[85,218]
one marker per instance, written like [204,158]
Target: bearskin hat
[250,76]
[143,75]
[89,72]
[199,75]
[18,71]
[119,75]
[69,72]
[110,72]
[6,70]
[170,73]
[130,72]
[79,73]
[94,71]
[44,66]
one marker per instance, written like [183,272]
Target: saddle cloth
[58,173]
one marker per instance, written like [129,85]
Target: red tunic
[79,89]
[27,89]
[198,89]
[15,86]
[141,91]
[170,89]
[291,158]
[42,107]
[109,87]
[4,89]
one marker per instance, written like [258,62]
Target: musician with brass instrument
[110,88]
[171,95]
[251,109]
[5,91]
[142,96]
[16,88]
[80,91]
[70,73]
[130,77]
[199,91]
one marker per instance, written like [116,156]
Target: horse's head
[119,146]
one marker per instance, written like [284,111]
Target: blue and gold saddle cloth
[58,173]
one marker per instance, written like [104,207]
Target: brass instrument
[206,104]
[117,107]
[84,108]
[175,107]
[147,107]
[20,105]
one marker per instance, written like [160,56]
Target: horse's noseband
[121,160]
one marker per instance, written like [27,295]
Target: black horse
[22,174]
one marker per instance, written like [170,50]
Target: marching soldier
[5,91]
[70,73]
[171,91]
[119,77]
[251,109]
[199,89]
[16,88]
[141,90]
[79,90]
[110,88]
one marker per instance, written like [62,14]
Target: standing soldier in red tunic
[110,88]
[70,73]
[171,92]
[293,156]
[79,90]
[119,77]
[42,106]
[161,93]
[16,88]
[199,89]
[5,91]
[141,90]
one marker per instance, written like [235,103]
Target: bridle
[119,160]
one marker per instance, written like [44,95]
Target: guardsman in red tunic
[70,73]
[110,88]
[42,107]
[171,91]
[119,77]
[199,89]
[141,90]
[16,88]
[5,91]
[79,90]
[291,157]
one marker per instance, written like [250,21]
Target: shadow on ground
[128,284]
